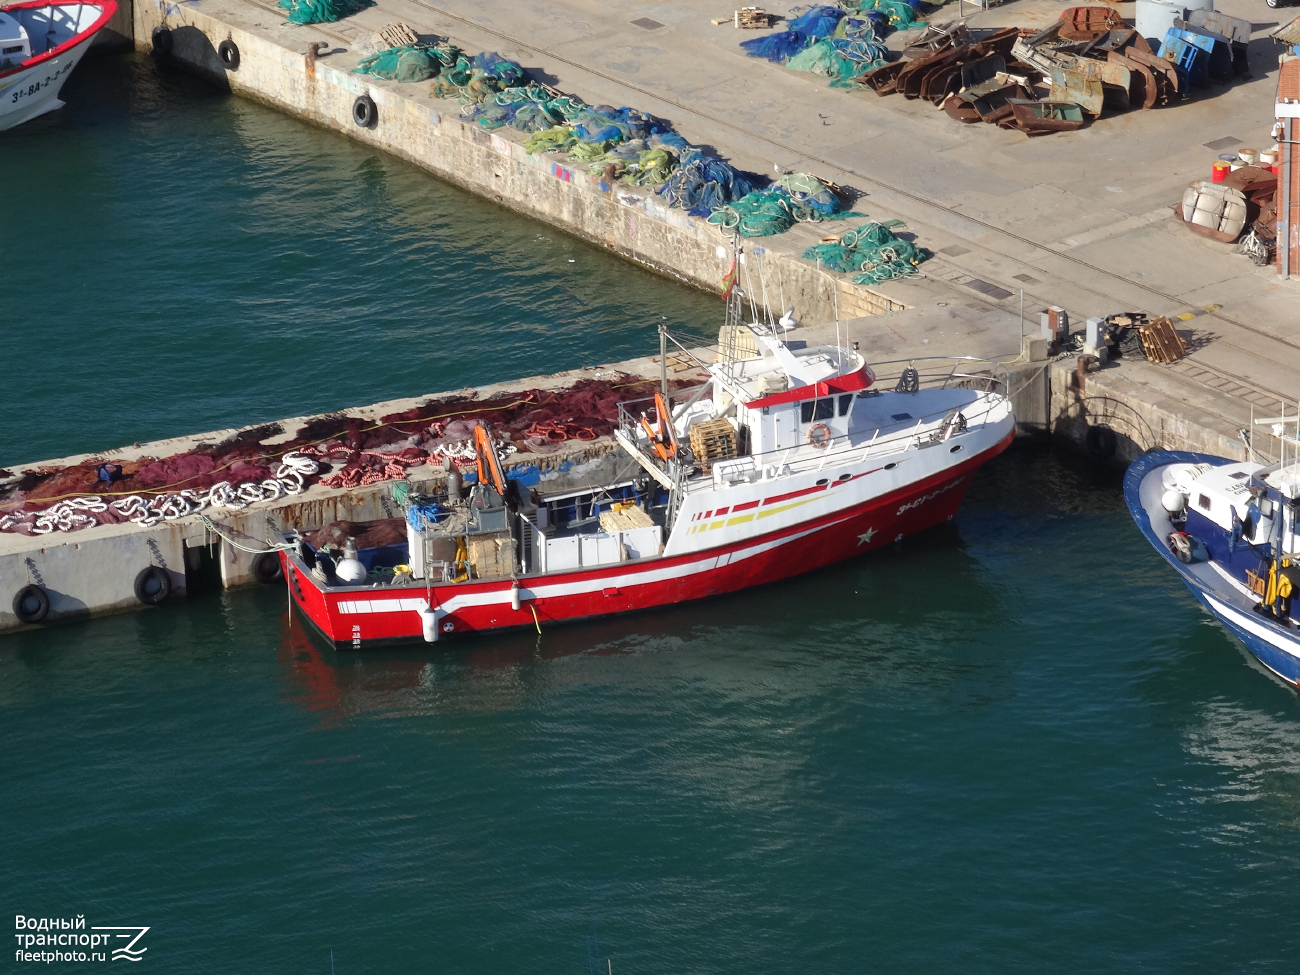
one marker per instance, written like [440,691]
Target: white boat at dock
[41,42]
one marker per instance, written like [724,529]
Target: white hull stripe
[1254,627]
[586,586]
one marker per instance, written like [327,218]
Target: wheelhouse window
[817,409]
[846,404]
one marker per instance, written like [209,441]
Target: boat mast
[663,363]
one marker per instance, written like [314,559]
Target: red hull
[358,617]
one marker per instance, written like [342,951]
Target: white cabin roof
[13,35]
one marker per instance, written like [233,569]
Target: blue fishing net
[529,108]
[811,25]
[778,47]
[701,184]
[473,79]
[509,73]
[797,198]
[669,140]
[606,124]
[900,14]
[817,22]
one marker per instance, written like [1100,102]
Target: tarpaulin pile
[797,198]
[321,11]
[872,250]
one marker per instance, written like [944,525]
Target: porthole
[823,482]
[953,449]
[845,477]
[890,466]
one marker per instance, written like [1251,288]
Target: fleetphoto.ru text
[60,939]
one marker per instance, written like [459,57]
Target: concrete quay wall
[429,132]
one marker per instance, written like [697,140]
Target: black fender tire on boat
[267,568]
[153,585]
[161,38]
[1101,442]
[228,51]
[364,111]
[31,604]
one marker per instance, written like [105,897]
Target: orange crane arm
[487,458]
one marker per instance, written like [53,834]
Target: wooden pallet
[713,440]
[492,556]
[752,18]
[398,35]
[624,518]
[1258,584]
[1160,342]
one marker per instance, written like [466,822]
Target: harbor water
[1011,744]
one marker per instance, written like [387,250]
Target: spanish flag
[729,279]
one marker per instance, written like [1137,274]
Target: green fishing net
[409,63]
[549,140]
[797,198]
[321,11]
[873,250]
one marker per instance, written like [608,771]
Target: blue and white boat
[1229,528]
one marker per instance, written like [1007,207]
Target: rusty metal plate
[1040,118]
[1143,87]
[1081,89]
[1115,78]
[1085,23]
[981,70]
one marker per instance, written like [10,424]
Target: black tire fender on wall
[161,38]
[365,112]
[153,585]
[267,569]
[31,604]
[228,51]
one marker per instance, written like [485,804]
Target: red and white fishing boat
[41,41]
[806,463]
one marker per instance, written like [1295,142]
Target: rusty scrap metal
[1142,81]
[1081,89]
[1086,23]
[1041,118]
[1116,80]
